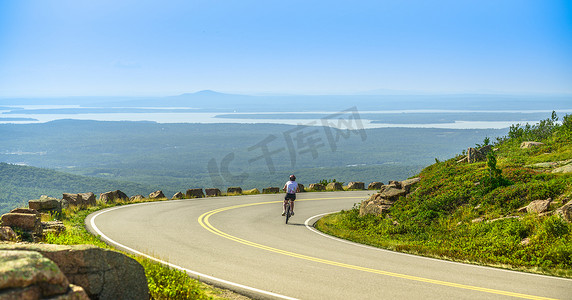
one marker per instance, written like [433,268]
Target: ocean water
[209,117]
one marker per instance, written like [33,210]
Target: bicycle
[288,210]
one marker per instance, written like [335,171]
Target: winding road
[242,243]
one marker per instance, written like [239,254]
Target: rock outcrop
[28,223]
[382,202]
[213,192]
[111,197]
[301,187]
[82,199]
[356,185]
[334,186]
[271,190]
[8,234]
[157,195]
[102,273]
[374,185]
[194,193]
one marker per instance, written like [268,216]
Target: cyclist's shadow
[295,224]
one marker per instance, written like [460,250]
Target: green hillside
[18,184]
[470,212]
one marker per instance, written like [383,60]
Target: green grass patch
[469,212]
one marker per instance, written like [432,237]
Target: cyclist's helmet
[292,178]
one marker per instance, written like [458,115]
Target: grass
[440,217]
[164,282]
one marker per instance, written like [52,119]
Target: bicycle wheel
[287,211]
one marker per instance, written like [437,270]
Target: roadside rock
[234,190]
[194,193]
[103,273]
[111,197]
[374,185]
[136,198]
[178,195]
[81,199]
[271,190]
[55,227]
[157,195]
[334,186]
[253,191]
[213,192]
[526,145]
[29,273]
[7,234]
[301,187]
[356,185]
[46,204]
[27,222]
[382,202]
[316,187]
[392,193]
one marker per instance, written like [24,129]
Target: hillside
[473,212]
[18,184]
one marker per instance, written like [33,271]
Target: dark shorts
[290,196]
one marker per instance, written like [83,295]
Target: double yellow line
[204,220]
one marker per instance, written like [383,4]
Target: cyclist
[291,188]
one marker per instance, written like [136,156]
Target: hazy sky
[72,47]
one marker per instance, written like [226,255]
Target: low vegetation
[164,282]
[469,212]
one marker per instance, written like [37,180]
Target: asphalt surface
[242,243]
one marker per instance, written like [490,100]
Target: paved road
[242,243]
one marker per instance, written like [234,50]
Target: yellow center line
[204,220]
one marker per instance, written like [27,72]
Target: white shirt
[291,187]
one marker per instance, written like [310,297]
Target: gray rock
[301,187]
[27,222]
[136,198]
[538,206]
[103,273]
[407,184]
[316,187]
[178,195]
[157,195]
[373,207]
[7,234]
[22,269]
[111,197]
[356,185]
[392,193]
[374,185]
[194,193]
[565,212]
[334,186]
[234,190]
[46,204]
[564,169]
[526,145]
[213,192]
[271,190]
[55,227]
[81,199]
[253,191]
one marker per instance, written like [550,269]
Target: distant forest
[139,157]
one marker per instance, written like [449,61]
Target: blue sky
[138,48]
